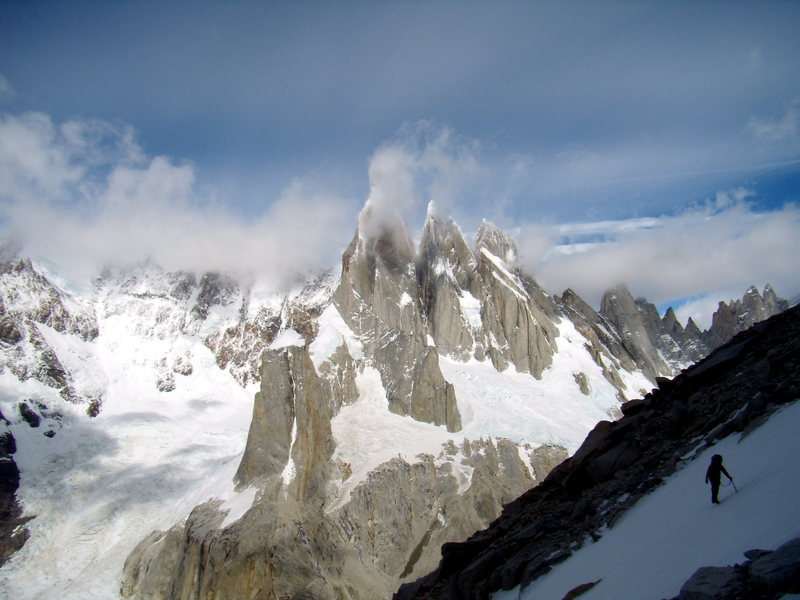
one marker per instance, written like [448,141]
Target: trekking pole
[734,486]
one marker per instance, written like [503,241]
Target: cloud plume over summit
[424,164]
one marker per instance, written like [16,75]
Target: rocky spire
[671,325]
[518,331]
[379,298]
[290,441]
[496,241]
[730,319]
[446,270]
[634,323]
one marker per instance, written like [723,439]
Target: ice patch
[237,505]
[286,338]
[289,471]
[332,332]
[471,309]
[100,485]
[519,407]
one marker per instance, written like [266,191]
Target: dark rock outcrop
[768,575]
[13,533]
[731,390]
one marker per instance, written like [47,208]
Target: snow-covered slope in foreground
[657,545]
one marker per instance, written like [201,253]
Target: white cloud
[425,163]
[709,252]
[83,195]
[34,161]
[737,196]
[391,189]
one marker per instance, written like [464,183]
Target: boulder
[713,583]
[779,570]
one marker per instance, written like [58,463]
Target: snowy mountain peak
[496,241]
[27,293]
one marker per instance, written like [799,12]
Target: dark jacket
[715,470]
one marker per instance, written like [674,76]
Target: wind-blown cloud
[82,193]
[713,251]
[426,163]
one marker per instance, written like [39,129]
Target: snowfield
[100,485]
[492,404]
[658,544]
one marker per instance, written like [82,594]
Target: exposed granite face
[446,270]
[637,326]
[294,542]
[378,299]
[290,434]
[729,391]
[517,316]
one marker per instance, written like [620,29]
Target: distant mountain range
[318,444]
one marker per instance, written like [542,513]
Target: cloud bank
[705,254]
[84,195]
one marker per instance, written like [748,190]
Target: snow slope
[100,485]
[658,544]
[492,404]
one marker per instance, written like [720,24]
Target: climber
[714,475]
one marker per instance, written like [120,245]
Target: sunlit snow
[100,485]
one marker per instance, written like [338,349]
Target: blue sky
[531,114]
